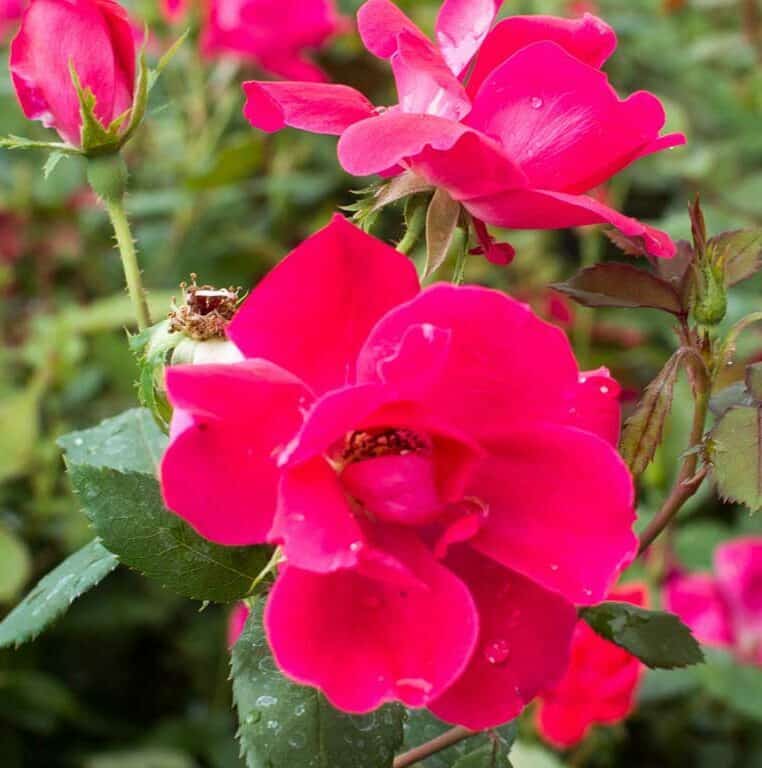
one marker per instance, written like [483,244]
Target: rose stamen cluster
[206,311]
[441,478]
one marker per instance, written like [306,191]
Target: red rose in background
[274,34]
[96,37]
[599,686]
[724,609]
[517,122]
[10,14]
[440,476]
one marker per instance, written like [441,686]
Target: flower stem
[447,739]
[689,479]
[126,246]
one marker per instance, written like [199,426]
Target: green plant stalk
[128,255]
[688,480]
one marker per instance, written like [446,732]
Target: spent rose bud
[90,37]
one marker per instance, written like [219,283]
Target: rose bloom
[95,36]
[598,687]
[236,622]
[10,15]
[441,478]
[516,122]
[273,34]
[724,609]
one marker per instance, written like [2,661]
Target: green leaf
[493,755]
[740,252]
[113,468]
[532,756]
[130,442]
[736,454]
[15,565]
[441,222]
[50,164]
[127,511]
[621,285]
[284,725]
[660,640]
[737,685]
[728,397]
[166,59]
[55,592]
[421,726]
[643,431]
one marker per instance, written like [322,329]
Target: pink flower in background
[10,15]
[724,609]
[598,687]
[274,34]
[441,477]
[96,37]
[517,122]
[236,622]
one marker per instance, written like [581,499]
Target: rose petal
[560,509]
[524,639]
[379,23]
[595,405]
[315,107]
[341,632]
[312,313]
[462,26]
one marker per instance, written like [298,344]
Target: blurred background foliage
[134,676]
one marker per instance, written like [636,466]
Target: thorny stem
[126,246]
[447,739]
[689,479]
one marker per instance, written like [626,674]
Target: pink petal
[343,632]
[595,405]
[588,39]
[218,472]
[292,66]
[560,509]
[524,638]
[312,313]
[379,23]
[544,209]
[236,622]
[446,153]
[462,26]
[504,365]
[314,521]
[561,121]
[316,107]
[698,601]
[424,83]
[97,38]
[738,566]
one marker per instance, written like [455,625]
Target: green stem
[126,246]
[446,740]
[689,479]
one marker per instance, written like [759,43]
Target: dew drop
[536,102]
[266,701]
[497,652]
[78,441]
[297,517]
[582,379]
[588,592]
[604,390]
[297,741]
[416,683]
[253,717]
[554,567]
[355,546]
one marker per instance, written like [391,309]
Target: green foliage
[113,471]
[284,725]
[15,565]
[55,592]
[734,683]
[658,639]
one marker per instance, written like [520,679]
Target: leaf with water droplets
[642,432]
[55,592]
[660,640]
[112,468]
[736,454]
[421,726]
[621,285]
[285,725]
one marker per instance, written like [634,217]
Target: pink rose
[274,34]
[598,687]
[96,37]
[516,122]
[440,476]
[236,622]
[724,609]
[10,14]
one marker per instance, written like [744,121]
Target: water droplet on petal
[604,390]
[588,592]
[554,567]
[497,652]
[536,102]
[355,546]
[582,379]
